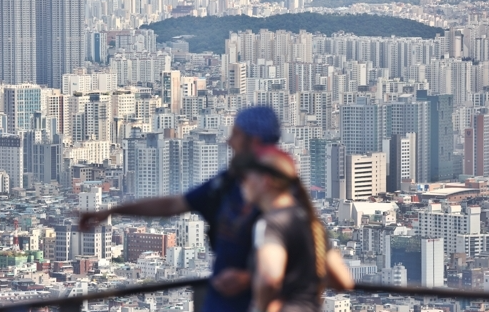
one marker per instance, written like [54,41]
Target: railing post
[199,297]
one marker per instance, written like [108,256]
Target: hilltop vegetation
[346,3]
[210,32]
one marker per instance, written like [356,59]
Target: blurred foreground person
[293,263]
[220,203]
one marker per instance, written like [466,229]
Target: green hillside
[210,32]
[346,3]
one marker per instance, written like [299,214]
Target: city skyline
[389,135]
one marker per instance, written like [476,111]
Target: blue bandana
[261,122]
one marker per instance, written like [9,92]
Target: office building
[365,175]
[137,243]
[405,250]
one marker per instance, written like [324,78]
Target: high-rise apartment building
[328,160]
[447,221]
[476,146]
[432,261]
[171,90]
[71,242]
[395,276]
[190,231]
[20,103]
[401,160]
[283,103]
[205,161]
[65,39]
[409,116]
[441,135]
[18,63]
[41,40]
[365,175]
[47,159]
[472,244]
[151,170]
[237,78]
[96,47]
[98,240]
[12,158]
[4,182]
[318,104]
[362,126]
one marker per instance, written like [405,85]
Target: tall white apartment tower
[64,33]
[247,46]
[237,78]
[205,161]
[432,269]
[152,168]
[18,41]
[171,90]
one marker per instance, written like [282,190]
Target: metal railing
[74,304]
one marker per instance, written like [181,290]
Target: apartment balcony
[198,287]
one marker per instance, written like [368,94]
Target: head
[266,174]
[255,126]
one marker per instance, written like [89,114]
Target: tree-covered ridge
[210,32]
[346,3]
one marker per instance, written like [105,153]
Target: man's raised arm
[153,207]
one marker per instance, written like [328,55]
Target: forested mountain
[209,32]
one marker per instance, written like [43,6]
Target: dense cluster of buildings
[388,134]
